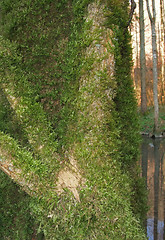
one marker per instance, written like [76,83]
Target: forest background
[135,32]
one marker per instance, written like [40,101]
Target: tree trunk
[162,48]
[155,67]
[155,77]
[142,59]
[80,189]
[137,57]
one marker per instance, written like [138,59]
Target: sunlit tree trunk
[152,17]
[142,58]
[136,72]
[162,42]
[159,42]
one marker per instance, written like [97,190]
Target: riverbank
[147,123]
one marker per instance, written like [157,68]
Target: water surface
[153,169]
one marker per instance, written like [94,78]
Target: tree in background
[136,76]
[142,59]
[152,17]
[162,42]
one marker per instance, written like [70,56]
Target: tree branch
[133,6]
[30,113]
[149,11]
[154,10]
[10,155]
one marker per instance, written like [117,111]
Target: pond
[153,170]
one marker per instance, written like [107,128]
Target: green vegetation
[126,106]
[15,218]
[66,85]
[147,121]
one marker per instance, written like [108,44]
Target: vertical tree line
[162,48]
[152,17]
[151,13]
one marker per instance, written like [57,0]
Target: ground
[147,122]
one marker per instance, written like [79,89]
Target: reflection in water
[159,230]
[153,169]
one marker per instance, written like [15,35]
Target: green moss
[125,102]
[15,218]
[71,104]
[147,121]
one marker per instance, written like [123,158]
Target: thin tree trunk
[155,77]
[155,68]
[142,59]
[159,42]
[137,58]
[162,48]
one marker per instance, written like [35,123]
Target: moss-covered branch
[19,164]
[14,82]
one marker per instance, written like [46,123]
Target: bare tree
[152,17]
[142,58]
[162,48]
[136,75]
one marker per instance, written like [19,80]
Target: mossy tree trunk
[74,171]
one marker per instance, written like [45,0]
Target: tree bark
[162,48]
[133,6]
[142,58]
[152,18]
